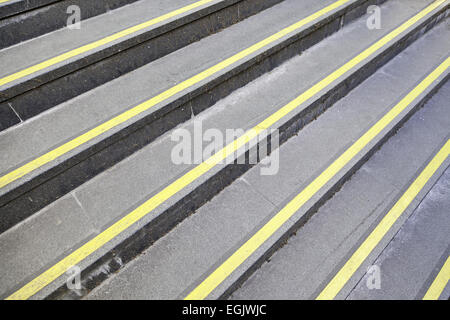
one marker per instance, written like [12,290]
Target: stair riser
[42,20]
[12,8]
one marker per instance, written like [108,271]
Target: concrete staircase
[90,119]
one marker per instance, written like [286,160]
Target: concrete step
[179,263]
[111,222]
[67,146]
[24,20]
[417,252]
[411,252]
[39,74]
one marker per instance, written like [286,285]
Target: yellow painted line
[147,207]
[96,44]
[133,112]
[110,124]
[439,284]
[2,1]
[247,249]
[360,255]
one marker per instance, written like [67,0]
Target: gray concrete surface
[43,89]
[110,195]
[12,7]
[147,276]
[69,179]
[26,4]
[36,50]
[407,265]
[55,126]
[33,138]
[36,18]
[308,261]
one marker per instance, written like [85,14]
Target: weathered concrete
[309,259]
[110,195]
[118,143]
[147,276]
[40,17]
[13,7]
[56,84]
[411,261]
